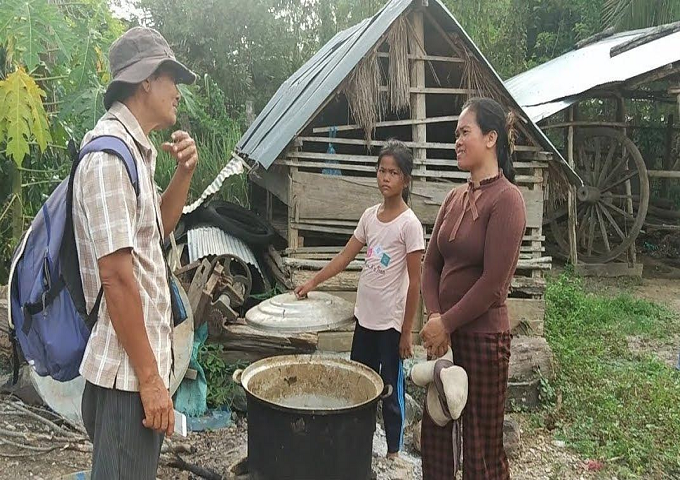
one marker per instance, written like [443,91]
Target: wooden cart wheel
[612,204]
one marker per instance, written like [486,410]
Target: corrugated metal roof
[298,99]
[205,241]
[553,86]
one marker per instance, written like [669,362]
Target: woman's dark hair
[404,158]
[491,116]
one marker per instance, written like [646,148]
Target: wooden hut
[589,115]
[404,73]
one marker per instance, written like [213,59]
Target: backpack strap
[114,146]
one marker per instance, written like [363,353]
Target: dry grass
[399,79]
[363,94]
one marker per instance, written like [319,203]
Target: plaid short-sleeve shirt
[109,216]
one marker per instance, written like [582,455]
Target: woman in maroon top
[469,264]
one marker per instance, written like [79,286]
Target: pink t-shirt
[383,285]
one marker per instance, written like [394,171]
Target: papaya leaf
[82,109]
[86,59]
[29,28]
[22,116]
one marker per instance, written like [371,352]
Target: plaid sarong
[486,359]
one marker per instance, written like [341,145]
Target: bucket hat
[136,55]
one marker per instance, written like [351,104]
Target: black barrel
[291,437]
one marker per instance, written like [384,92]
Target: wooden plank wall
[324,209]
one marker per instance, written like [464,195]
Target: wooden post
[293,237]
[418,105]
[537,244]
[621,117]
[668,158]
[571,197]
[270,207]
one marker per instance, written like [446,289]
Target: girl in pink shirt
[389,286]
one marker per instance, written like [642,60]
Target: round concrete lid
[286,314]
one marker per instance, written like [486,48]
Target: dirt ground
[539,456]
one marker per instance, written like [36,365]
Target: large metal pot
[310,417]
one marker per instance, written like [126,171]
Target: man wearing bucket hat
[119,228]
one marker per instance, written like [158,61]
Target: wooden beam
[441,32]
[608,32]
[390,123]
[663,173]
[427,58]
[355,265]
[527,148]
[438,90]
[449,175]
[652,95]
[332,250]
[584,124]
[378,143]
[649,77]
[372,159]
[654,34]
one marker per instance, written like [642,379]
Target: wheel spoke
[607,163]
[634,198]
[615,170]
[613,222]
[603,228]
[585,161]
[623,213]
[625,178]
[598,155]
[591,232]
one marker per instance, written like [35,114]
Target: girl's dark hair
[404,158]
[491,116]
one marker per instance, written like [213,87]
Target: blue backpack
[47,312]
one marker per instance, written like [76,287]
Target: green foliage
[82,90]
[48,50]
[203,113]
[222,390]
[616,403]
[22,116]
[634,14]
[31,28]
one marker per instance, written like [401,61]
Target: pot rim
[271,362]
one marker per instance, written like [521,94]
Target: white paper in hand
[180,423]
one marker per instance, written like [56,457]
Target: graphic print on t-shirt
[381,256]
